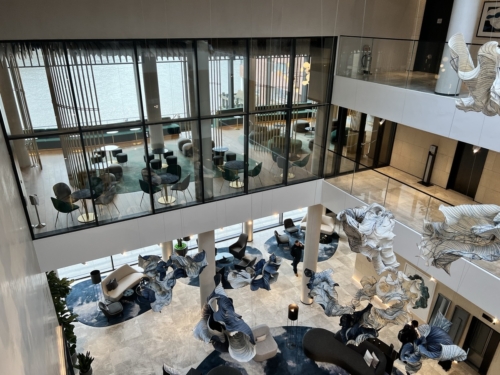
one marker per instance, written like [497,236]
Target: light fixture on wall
[381,122]
[476,149]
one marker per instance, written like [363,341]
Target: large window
[104,131]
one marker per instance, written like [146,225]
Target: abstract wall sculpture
[221,326]
[261,275]
[369,230]
[322,290]
[399,291]
[482,81]
[468,231]
[433,343]
[157,283]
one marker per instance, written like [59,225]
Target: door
[482,342]
[375,142]
[433,33]
[466,170]
[459,321]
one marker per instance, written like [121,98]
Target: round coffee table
[129,294]
[167,179]
[235,165]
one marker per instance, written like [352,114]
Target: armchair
[238,248]
[115,308]
[281,239]
[327,224]
[290,227]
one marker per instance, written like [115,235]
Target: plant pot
[181,251]
[87,373]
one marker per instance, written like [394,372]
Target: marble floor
[143,344]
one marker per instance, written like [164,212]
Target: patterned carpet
[195,281]
[326,251]
[83,301]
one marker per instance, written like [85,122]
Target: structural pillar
[202,136]
[206,241]
[463,20]
[12,117]
[152,95]
[248,229]
[167,249]
[311,247]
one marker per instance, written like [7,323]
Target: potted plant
[59,289]
[84,363]
[181,247]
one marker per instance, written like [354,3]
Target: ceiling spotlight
[476,149]
[381,122]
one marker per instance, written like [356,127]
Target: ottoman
[122,158]
[171,160]
[155,164]
[230,156]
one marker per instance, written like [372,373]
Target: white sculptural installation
[468,231]
[483,80]
[369,230]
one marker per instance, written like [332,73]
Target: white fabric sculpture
[399,291]
[482,81]
[468,231]
[369,230]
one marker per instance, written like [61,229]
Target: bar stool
[121,158]
[230,156]
[155,164]
[171,160]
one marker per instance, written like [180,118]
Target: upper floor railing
[410,206]
[404,63]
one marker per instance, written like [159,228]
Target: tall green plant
[84,362]
[59,289]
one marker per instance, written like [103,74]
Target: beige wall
[488,190]
[363,267]
[62,19]
[28,322]
[411,147]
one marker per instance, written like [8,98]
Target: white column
[167,249]
[152,95]
[206,241]
[311,247]
[463,20]
[12,117]
[248,229]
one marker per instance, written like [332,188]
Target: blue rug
[287,361]
[325,252]
[83,302]
[227,267]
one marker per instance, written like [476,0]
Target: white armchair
[327,224]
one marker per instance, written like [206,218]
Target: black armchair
[281,239]
[115,308]
[238,248]
[290,227]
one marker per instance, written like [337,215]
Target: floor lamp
[95,276]
[293,316]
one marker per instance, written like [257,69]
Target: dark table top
[82,194]
[224,370]
[235,164]
[159,151]
[168,178]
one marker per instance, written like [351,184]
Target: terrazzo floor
[143,344]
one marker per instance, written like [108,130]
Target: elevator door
[482,342]
[466,169]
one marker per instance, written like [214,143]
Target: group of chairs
[280,161]
[290,229]
[152,183]
[102,190]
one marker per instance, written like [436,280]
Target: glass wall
[103,131]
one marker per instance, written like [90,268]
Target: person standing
[296,253]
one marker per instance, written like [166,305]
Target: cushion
[112,285]
[260,338]
[368,358]
[375,360]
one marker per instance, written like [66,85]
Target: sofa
[267,348]
[126,277]
[280,142]
[327,224]
[320,345]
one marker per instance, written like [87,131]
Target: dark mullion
[200,142]
[246,117]
[288,126]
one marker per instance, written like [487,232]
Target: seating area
[126,277]
[327,224]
